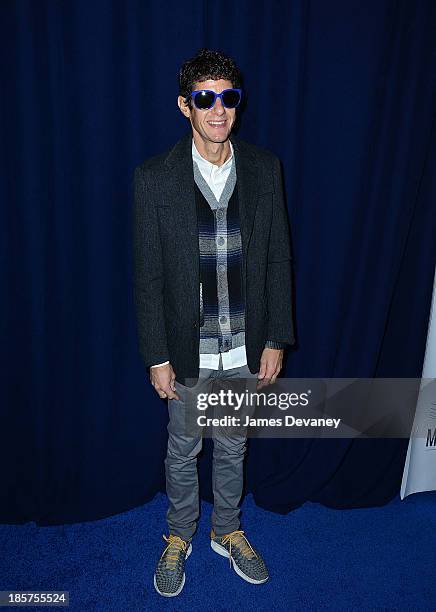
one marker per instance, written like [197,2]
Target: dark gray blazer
[166,254]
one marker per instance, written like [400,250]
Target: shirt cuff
[159,364]
[275,345]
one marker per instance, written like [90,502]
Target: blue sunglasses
[206,98]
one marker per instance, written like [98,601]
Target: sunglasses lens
[231,98]
[203,99]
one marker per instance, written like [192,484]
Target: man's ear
[184,108]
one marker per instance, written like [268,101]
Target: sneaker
[245,559]
[169,577]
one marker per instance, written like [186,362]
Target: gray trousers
[181,462]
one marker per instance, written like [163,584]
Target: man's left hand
[270,366]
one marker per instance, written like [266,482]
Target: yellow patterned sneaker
[169,577]
[244,558]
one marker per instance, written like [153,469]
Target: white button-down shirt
[216,177]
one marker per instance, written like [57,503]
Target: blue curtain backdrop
[343,91]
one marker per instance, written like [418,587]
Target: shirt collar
[206,163]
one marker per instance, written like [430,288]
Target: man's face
[214,124]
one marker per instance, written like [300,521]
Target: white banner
[420,467]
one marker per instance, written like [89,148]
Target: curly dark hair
[207,64]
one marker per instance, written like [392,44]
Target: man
[213,297]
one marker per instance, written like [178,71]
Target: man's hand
[270,366]
[163,380]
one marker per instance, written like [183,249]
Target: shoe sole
[179,590]
[221,550]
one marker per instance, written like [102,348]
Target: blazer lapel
[247,184]
[180,187]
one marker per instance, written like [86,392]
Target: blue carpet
[319,559]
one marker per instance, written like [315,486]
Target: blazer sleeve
[279,276]
[148,276]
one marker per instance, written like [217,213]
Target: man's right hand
[163,380]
